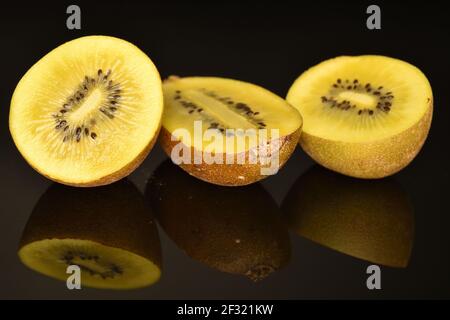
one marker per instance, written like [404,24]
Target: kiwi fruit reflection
[108,231]
[236,230]
[368,219]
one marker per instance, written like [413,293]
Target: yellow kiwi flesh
[233,230]
[369,220]
[224,105]
[88,112]
[364,116]
[108,232]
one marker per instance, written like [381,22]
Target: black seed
[359,112]
[335,85]
[66,128]
[113,102]
[339,80]
[257,112]
[78,131]
[377,93]
[349,87]
[381,87]
[367,85]
[230,102]
[262,124]
[370,112]
[388,104]
[324,99]
[86,131]
[63,111]
[177,98]
[99,72]
[190,111]
[355,81]
[78,138]
[388,93]
[93,135]
[369,89]
[113,109]
[178,91]
[200,110]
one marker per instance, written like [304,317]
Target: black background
[269,44]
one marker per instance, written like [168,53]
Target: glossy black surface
[268,44]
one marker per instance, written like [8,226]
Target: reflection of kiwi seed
[371,220]
[107,231]
[234,230]
[364,116]
[88,112]
[228,110]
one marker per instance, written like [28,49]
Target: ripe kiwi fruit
[364,116]
[108,231]
[233,230]
[228,108]
[88,112]
[369,220]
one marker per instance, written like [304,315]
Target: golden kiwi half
[88,112]
[364,116]
[108,231]
[225,131]
[233,230]
[369,220]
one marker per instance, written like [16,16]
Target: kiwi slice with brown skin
[364,116]
[233,230]
[245,129]
[369,220]
[88,112]
[108,231]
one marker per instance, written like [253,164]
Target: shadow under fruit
[107,231]
[235,230]
[370,220]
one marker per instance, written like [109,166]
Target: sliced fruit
[369,220]
[365,116]
[88,112]
[243,128]
[107,231]
[234,230]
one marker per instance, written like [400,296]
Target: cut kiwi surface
[233,230]
[109,232]
[364,116]
[88,112]
[369,220]
[230,109]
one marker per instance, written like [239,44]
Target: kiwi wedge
[109,232]
[233,230]
[365,116]
[369,220]
[230,109]
[88,112]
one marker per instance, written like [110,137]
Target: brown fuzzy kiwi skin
[233,230]
[369,220]
[115,215]
[230,174]
[113,177]
[372,160]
